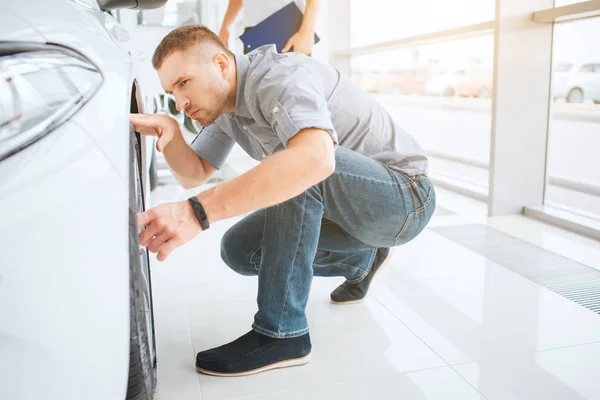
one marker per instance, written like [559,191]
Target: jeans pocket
[255,258]
[417,220]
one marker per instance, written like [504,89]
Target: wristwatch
[199,211]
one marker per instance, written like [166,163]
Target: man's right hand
[159,125]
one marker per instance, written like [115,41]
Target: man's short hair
[184,37]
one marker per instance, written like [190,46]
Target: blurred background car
[445,83]
[369,81]
[75,296]
[411,80]
[478,84]
[576,82]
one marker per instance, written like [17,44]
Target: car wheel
[142,348]
[153,181]
[575,96]
[172,107]
[189,125]
[483,93]
[449,92]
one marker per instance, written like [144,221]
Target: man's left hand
[168,226]
[300,42]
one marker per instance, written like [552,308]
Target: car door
[586,79]
[595,83]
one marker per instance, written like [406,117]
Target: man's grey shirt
[278,95]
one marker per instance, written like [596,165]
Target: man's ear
[223,63]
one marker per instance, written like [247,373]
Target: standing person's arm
[233,9]
[304,40]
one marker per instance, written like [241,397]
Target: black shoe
[349,293]
[254,353]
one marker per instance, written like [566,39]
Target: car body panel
[64,273]
[15,28]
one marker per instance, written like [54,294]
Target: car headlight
[41,87]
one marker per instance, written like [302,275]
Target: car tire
[142,349]
[575,96]
[172,108]
[188,124]
[153,181]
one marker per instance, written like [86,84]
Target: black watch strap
[199,211]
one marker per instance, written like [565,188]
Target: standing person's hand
[301,42]
[224,35]
[168,226]
[162,126]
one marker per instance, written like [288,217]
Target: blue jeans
[332,229]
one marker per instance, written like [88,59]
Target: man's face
[198,82]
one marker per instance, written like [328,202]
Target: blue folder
[276,29]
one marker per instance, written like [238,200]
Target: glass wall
[573,165]
[375,21]
[441,93]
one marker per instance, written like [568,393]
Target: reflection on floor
[453,316]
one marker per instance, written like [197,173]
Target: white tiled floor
[441,322]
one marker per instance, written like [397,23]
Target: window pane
[441,94]
[562,67]
[574,135]
[373,21]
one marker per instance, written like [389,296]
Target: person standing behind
[257,10]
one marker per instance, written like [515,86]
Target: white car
[76,316]
[445,84]
[576,82]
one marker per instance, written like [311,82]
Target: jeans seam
[345,265]
[427,201]
[414,214]
[259,329]
[407,184]
[287,287]
[252,256]
[366,272]
[339,263]
[365,178]
[393,174]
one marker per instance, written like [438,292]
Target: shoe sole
[294,362]
[383,264]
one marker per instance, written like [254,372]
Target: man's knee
[234,253]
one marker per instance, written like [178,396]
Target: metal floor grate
[575,281]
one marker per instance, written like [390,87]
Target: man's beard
[210,119]
[223,100]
